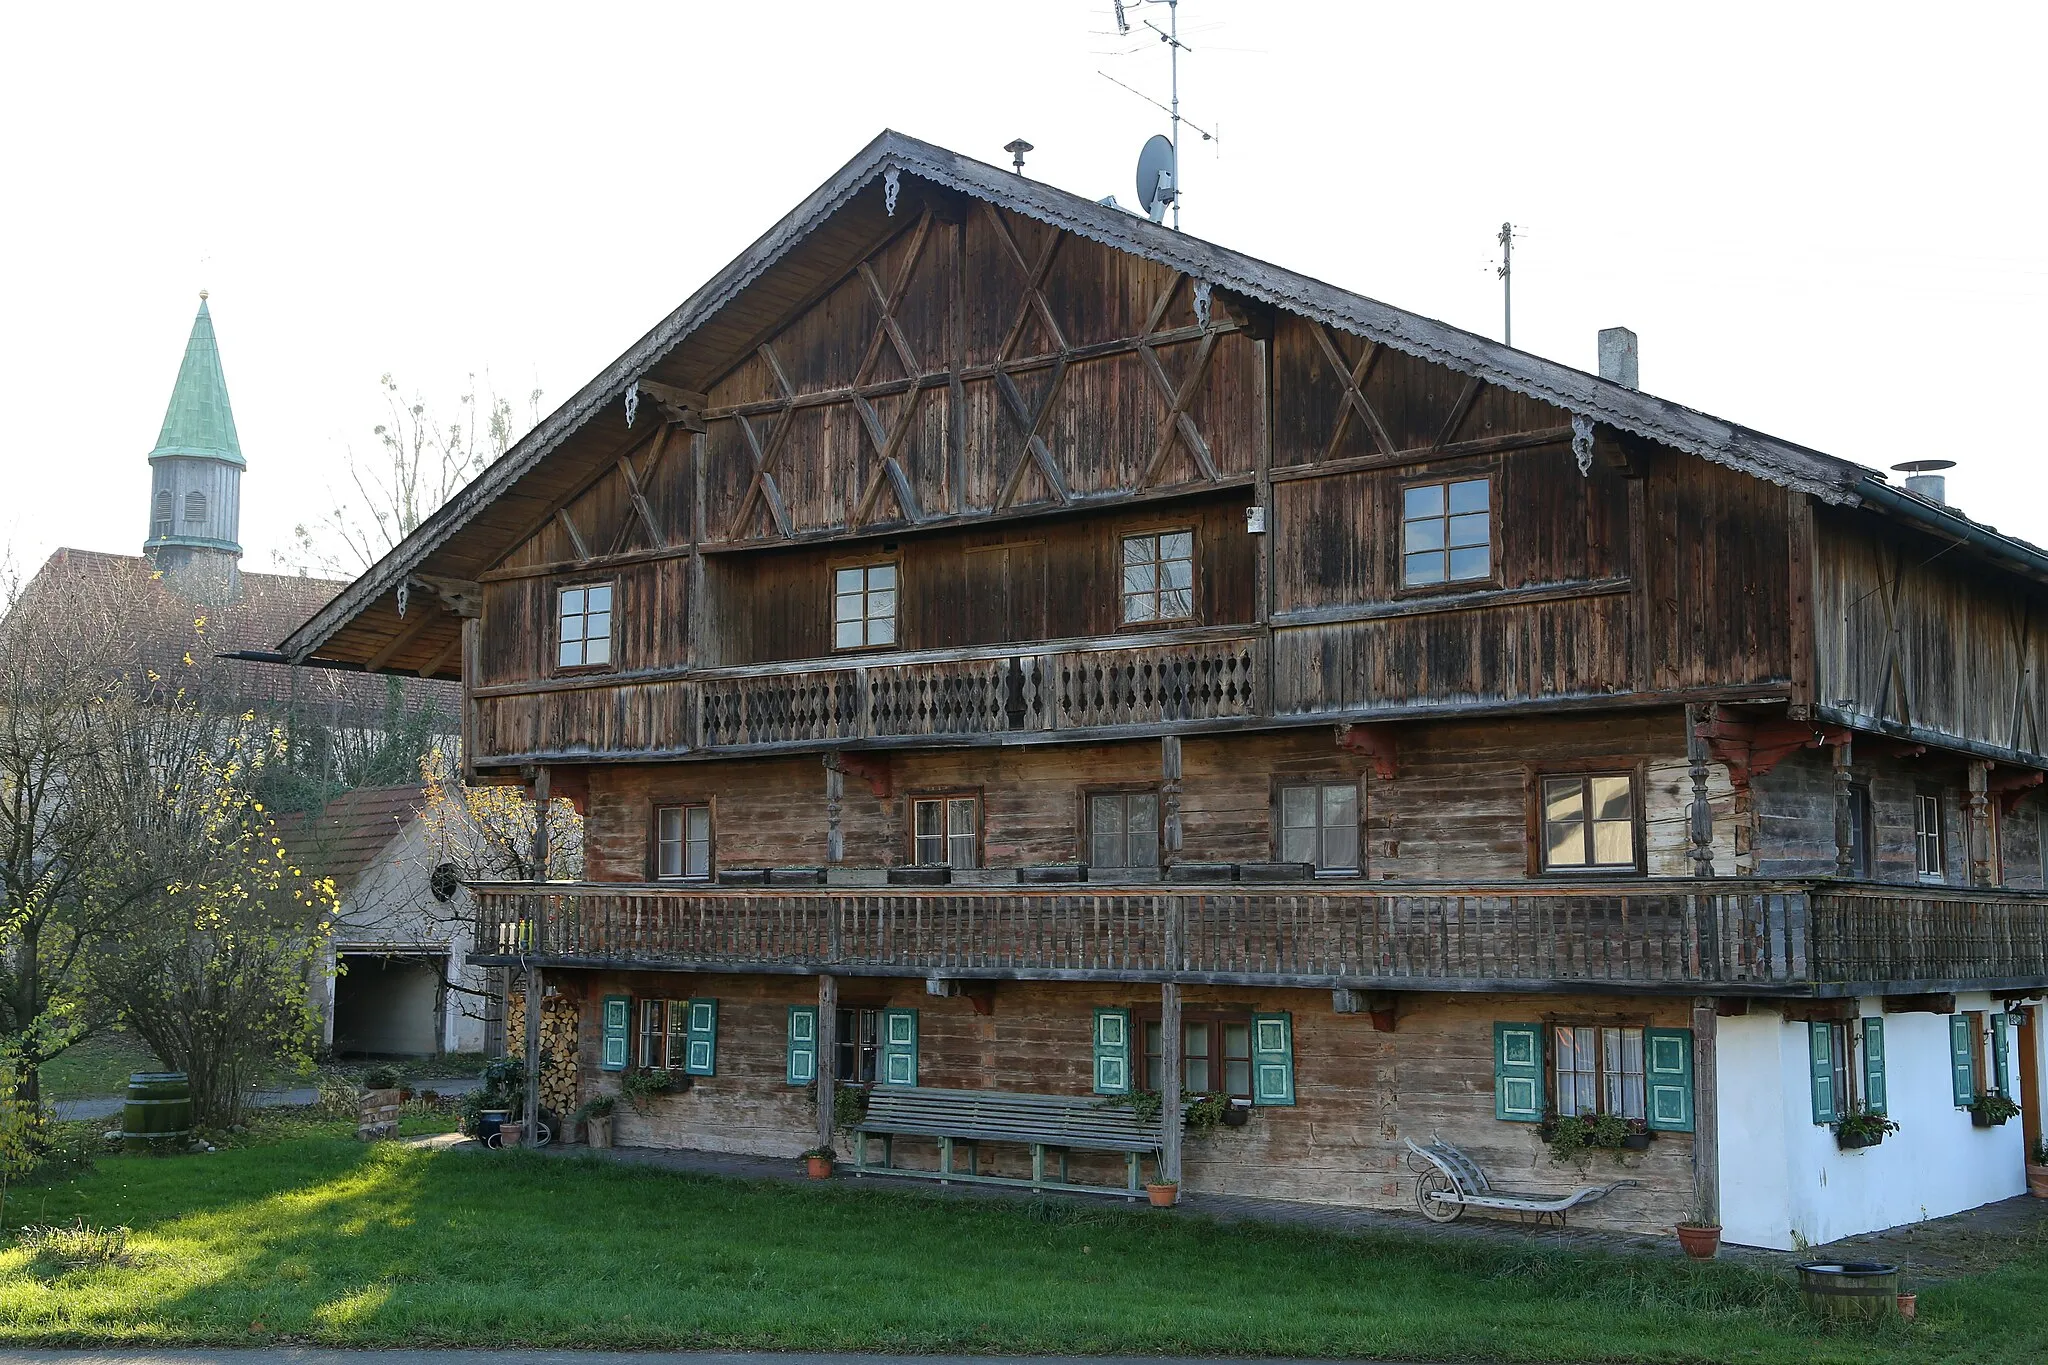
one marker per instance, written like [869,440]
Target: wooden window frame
[1155,530]
[842,1038]
[1939,877]
[837,566]
[1276,834]
[669,1060]
[1532,784]
[1493,578]
[654,809]
[1084,831]
[911,798]
[1552,1023]
[611,660]
[1215,1016]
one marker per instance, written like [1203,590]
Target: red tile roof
[344,839]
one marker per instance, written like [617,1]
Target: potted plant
[595,1114]
[644,1086]
[381,1078]
[1238,1114]
[512,1133]
[1572,1136]
[1862,1129]
[1637,1139]
[2037,1170]
[1700,1236]
[818,1163]
[1163,1193]
[1992,1110]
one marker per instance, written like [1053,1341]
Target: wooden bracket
[2011,787]
[980,994]
[1820,1011]
[1382,1006]
[1931,1002]
[1884,746]
[1375,742]
[1731,1006]
[872,769]
[462,596]
[1752,748]
[571,785]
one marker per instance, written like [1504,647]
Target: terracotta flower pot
[1909,1304]
[1700,1241]
[1162,1196]
[511,1134]
[2037,1181]
[818,1167]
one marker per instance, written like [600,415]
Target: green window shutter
[1962,1064]
[1518,1072]
[1821,1055]
[618,1032]
[803,1044]
[1873,1065]
[700,1056]
[1112,1052]
[899,1047]
[1272,1059]
[2000,1073]
[1667,1058]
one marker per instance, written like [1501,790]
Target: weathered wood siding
[1911,634]
[1358,1092]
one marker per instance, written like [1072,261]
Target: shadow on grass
[331,1242]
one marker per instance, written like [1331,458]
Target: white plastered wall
[1784,1183]
[392,906]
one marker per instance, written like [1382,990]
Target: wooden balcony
[1726,937]
[1176,681]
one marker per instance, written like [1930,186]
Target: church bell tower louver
[195,493]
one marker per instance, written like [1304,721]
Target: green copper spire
[199,421]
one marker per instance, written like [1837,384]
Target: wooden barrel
[1849,1289]
[159,1109]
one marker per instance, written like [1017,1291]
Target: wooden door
[2030,1076]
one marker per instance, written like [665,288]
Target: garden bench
[1447,1182]
[1059,1124]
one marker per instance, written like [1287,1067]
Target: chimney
[1924,478]
[1618,356]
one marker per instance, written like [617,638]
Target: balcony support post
[537,948]
[1706,1117]
[1981,871]
[1696,719]
[1170,1120]
[1845,816]
[835,801]
[828,1056]
[1169,799]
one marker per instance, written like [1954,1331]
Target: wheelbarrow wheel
[1428,1186]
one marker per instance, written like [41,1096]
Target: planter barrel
[159,1109]
[1849,1289]
[488,1124]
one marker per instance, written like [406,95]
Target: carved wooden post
[1845,811]
[835,799]
[1981,871]
[1169,1081]
[1169,797]
[828,1054]
[1706,1112]
[535,949]
[1702,810]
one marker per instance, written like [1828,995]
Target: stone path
[109,1106]
[1941,1248]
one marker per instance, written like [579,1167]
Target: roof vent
[1924,478]
[1618,356]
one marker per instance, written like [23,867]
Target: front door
[2030,1076]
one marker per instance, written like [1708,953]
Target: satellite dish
[1156,177]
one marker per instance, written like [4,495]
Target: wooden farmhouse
[1003,645]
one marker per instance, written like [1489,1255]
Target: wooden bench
[1448,1182]
[1059,1124]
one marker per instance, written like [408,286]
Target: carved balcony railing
[1735,936]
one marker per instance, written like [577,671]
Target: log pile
[558,1029]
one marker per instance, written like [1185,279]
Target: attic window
[584,617]
[195,507]
[1446,532]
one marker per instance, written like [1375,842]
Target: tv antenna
[1162,189]
[1506,271]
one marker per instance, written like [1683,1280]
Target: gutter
[1957,527]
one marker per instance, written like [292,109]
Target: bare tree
[423,458]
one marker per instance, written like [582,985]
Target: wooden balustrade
[1725,936]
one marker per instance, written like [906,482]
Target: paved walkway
[109,1106]
[1942,1248]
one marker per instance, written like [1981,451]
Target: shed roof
[345,837]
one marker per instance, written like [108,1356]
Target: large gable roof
[713,329]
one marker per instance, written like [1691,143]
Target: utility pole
[1506,271]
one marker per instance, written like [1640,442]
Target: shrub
[596,1107]
[381,1078]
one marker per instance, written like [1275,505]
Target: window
[163,514]
[585,618]
[1598,1070]
[664,1034]
[1319,825]
[1928,854]
[864,606]
[1446,533]
[859,1046]
[1589,821]
[1859,831]
[1123,829]
[1979,1048]
[195,507]
[945,831]
[1159,576]
[682,842]
[1216,1054]
[1847,1058]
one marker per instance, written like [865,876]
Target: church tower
[195,490]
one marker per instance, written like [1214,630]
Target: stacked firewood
[558,1020]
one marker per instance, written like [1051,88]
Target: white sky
[1824,221]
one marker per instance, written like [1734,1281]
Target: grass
[316,1238]
[98,1066]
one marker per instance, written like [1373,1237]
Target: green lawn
[98,1066]
[320,1239]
